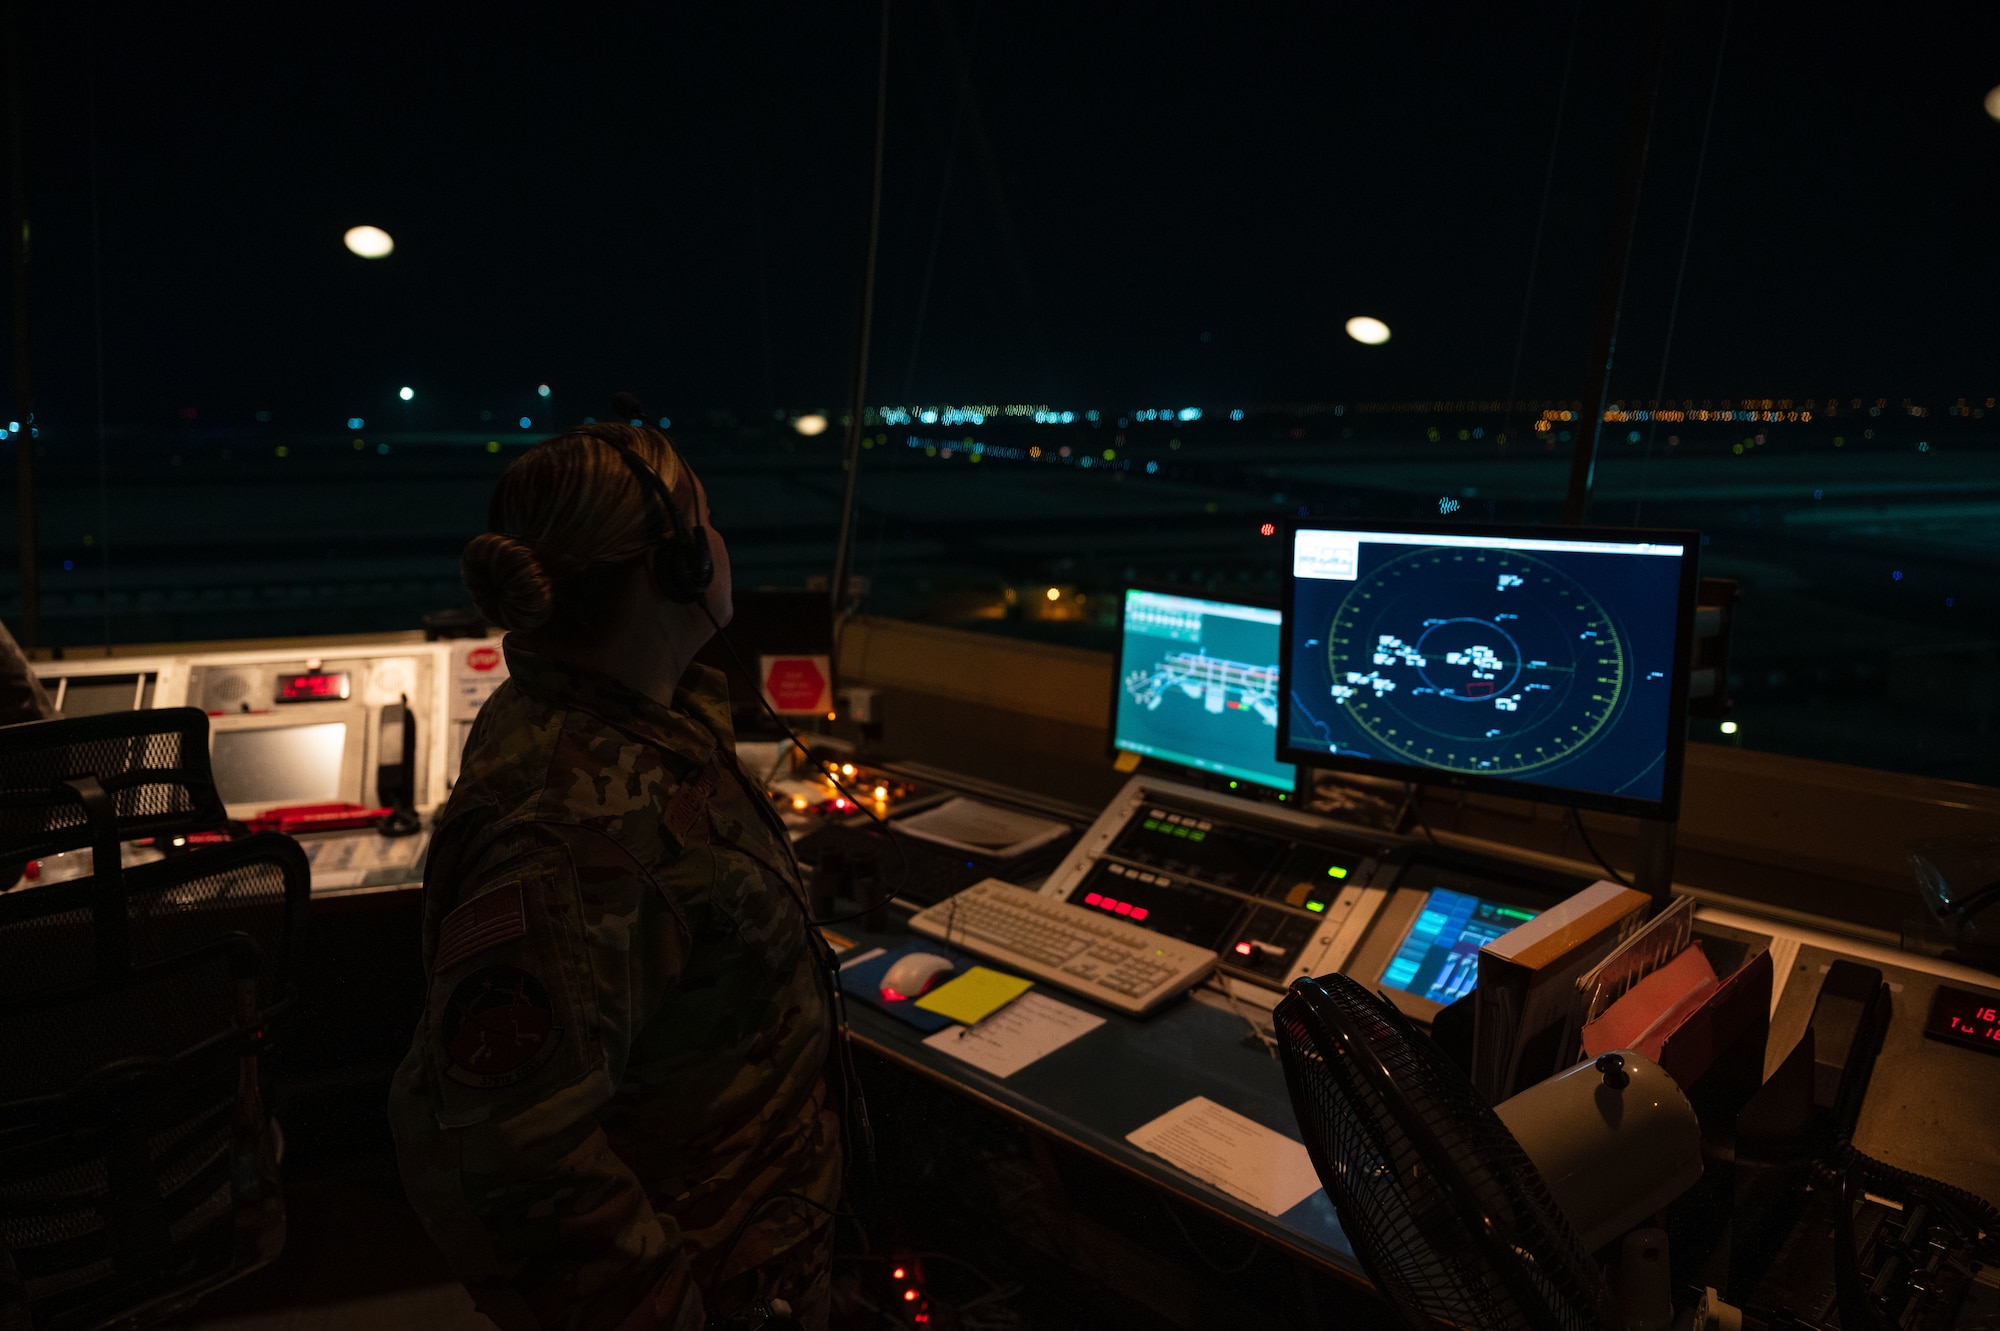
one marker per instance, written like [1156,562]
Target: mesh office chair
[137,1162]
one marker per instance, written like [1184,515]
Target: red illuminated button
[1138,912]
[1091,899]
[1243,949]
[1124,908]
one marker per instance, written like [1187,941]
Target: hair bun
[507,581]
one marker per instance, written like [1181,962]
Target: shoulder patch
[493,917]
[499,1027]
[684,811]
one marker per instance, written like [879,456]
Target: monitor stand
[1653,858]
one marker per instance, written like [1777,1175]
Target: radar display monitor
[1542,662]
[1197,686]
[1438,959]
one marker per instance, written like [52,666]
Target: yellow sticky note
[975,995]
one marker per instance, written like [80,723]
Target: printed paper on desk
[1243,1158]
[1032,1027]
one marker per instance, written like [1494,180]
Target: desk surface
[1125,1073]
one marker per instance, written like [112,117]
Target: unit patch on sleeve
[493,917]
[499,1026]
[684,811]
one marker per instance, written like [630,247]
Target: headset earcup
[683,568]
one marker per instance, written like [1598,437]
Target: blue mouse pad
[863,980]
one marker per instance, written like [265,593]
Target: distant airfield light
[541,390]
[1728,727]
[1369,332]
[406,392]
[370,242]
[1054,593]
[810,424]
[1993,103]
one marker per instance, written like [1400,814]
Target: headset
[682,561]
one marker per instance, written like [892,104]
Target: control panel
[1276,893]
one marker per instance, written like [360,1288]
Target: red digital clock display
[1965,1018]
[315,686]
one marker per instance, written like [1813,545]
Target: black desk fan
[1448,1215]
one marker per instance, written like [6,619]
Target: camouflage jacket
[623,1043]
[22,697]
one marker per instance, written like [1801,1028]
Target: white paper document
[1030,1027]
[981,829]
[343,860]
[1221,1147]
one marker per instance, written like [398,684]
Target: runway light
[406,393]
[370,242]
[1054,593]
[909,1296]
[847,769]
[898,1273]
[354,422]
[1728,727]
[810,425]
[525,422]
[541,390]
[881,792]
[1369,332]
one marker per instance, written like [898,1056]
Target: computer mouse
[912,974]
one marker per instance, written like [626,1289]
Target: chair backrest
[136,1167]
[151,1177]
[57,937]
[146,771]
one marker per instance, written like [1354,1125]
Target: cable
[1602,863]
[830,772]
[1541,220]
[1680,274]
[1414,807]
[854,1103]
[728,1249]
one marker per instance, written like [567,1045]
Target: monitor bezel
[1666,808]
[1182,770]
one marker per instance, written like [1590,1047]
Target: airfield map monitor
[1198,687]
[1548,663]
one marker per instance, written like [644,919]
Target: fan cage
[1444,1209]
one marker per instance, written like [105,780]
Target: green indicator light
[1316,906]
[1336,872]
[1197,836]
[1180,831]
[1151,825]
[1232,785]
[1522,915]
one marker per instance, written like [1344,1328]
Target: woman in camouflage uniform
[615,1111]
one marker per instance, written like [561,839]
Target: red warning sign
[483,659]
[797,685]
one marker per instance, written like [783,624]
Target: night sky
[1145,203]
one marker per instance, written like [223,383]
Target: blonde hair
[566,521]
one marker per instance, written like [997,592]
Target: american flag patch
[493,917]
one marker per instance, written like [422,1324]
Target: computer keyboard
[1115,963]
